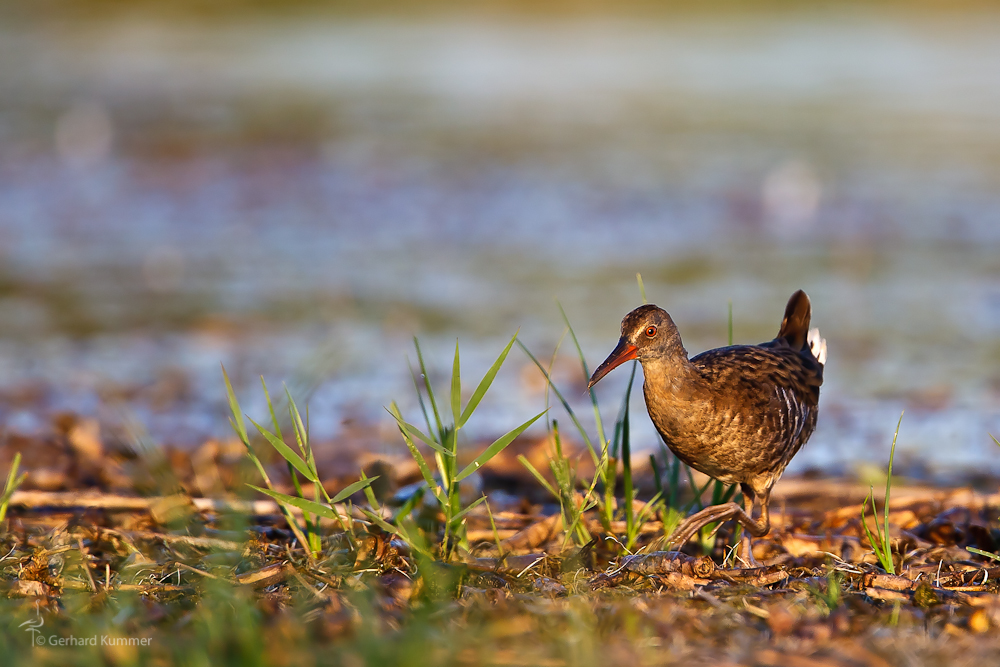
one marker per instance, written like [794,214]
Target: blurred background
[297,189]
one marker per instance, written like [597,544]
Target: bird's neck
[671,380]
[669,373]
[676,393]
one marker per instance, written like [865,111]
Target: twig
[203,573]
[35,500]
[189,540]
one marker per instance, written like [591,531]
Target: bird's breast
[710,431]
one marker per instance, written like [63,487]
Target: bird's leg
[725,512]
[746,546]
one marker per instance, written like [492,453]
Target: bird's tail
[795,325]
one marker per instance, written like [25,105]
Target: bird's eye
[650,332]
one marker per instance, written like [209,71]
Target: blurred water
[300,198]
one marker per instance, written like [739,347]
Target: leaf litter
[225,577]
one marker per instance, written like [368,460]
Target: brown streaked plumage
[738,414]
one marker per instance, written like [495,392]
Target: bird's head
[647,332]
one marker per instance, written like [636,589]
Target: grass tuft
[303,463]
[880,540]
[443,440]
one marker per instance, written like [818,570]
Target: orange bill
[625,351]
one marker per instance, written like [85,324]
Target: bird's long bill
[625,351]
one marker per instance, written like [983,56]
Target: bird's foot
[719,513]
[745,554]
[687,528]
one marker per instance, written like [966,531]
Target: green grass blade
[379,521]
[350,489]
[236,421]
[565,403]
[5,501]
[420,396]
[286,452]
[456,389]
[413,536]
[721,493]
[239,427]
[586,375]
[310,456]
[576,526]
[301,432]
[427,386]
[730,321]
[728,495]
[995,440]
[888,478]
[627,455]
[879,535]
[541,478]
[429,441]
[602,465]
[879,542]
[557,446]
[369,494]
[576,342]
[473,505]
[270,407]
[307,519]
[657,480]
[443,469]
[675,477]
[496,533]
[13,481]
[318,509]
[876,547]
[642,288]
[451,444]
[293,524]
[616,439]
[252,455]
[648,508]
[496,448]
[548,387]
[878,530]
[591,491]
[696,501]
[484,384]
[971,549]
[425,470]
[11,484]
[234,406]
[418,434]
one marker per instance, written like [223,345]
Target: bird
[737,414]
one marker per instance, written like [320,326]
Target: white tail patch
[818,345]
